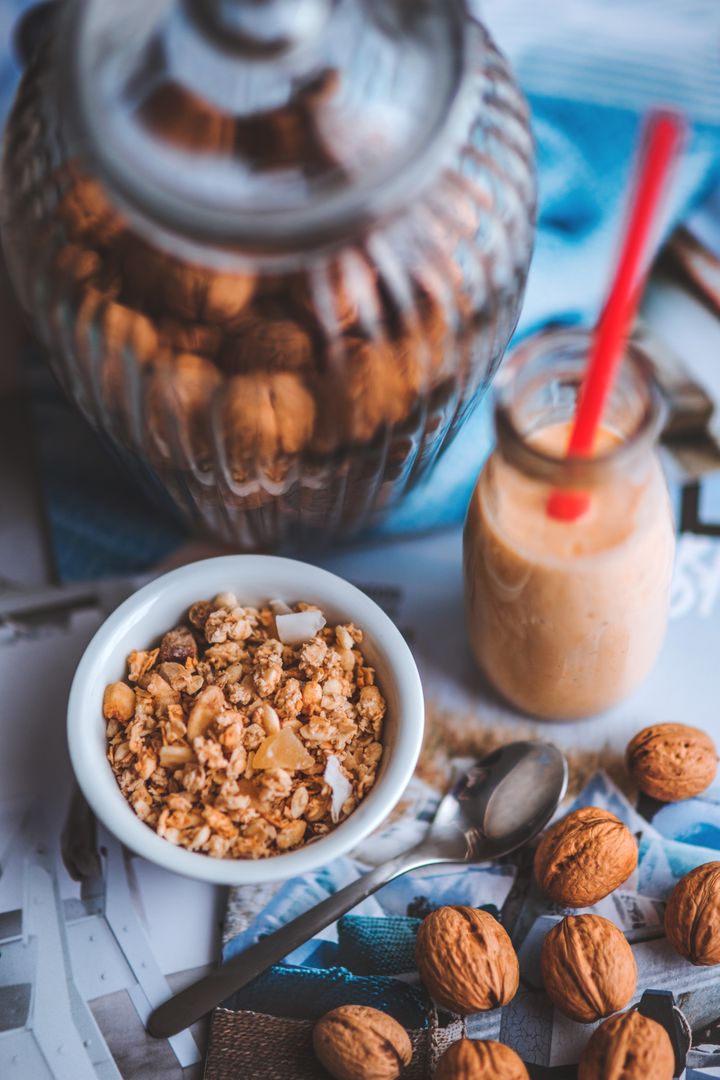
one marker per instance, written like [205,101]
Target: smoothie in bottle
[567,617]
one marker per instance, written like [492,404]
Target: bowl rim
[94,775]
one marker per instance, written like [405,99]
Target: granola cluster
[246,732]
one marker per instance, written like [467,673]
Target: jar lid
[266,124]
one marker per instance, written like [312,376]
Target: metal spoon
[498,805]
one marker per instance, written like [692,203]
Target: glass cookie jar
[275,248]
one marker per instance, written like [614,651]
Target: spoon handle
[183,1009]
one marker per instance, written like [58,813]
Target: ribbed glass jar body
[285,396]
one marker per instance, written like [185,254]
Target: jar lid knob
[261,27]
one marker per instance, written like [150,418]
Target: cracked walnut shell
[584,857]
[355,1042]
[628,1046]
[267,416]
[672,761]
[692,916]
[470,1059]
[466,960]
[588,968]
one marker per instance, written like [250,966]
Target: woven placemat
[253,1046]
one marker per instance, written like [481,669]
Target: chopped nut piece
[269,718]
[139,663]
[299,802]
[206,709]
[291,835]
[226,600]
[173,756]
[118,702]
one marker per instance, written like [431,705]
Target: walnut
[588,968]
[628,1046]
[116,339]
[86,212]
[584,857]
[672,761]
[335,295]
[381,386]
[267,415]
[480,1060]
[190,337]
[158,282]
[267,344]
[227,295]
[77,264]
[185,120]
[356,1042]
[180,400]
[466,960]
[125,333]
[692,916]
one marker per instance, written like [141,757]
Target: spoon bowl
[498,804]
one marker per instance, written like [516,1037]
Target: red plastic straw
[662,136]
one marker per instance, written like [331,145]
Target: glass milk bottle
[567,617]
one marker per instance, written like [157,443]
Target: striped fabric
[623,53]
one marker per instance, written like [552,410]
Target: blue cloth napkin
[591,69]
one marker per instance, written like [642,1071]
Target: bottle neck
[536,401]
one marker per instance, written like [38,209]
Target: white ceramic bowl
[144,617]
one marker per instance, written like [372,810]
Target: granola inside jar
[246,732]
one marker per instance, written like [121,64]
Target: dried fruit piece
[299,626]
[584,857]
[485,1059]
[628,1046]
[672,761]
[283,751]
[466,960]
[692,915]
[588,968]
[356,1042]
[199,613]
[340,787]
[177,646]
